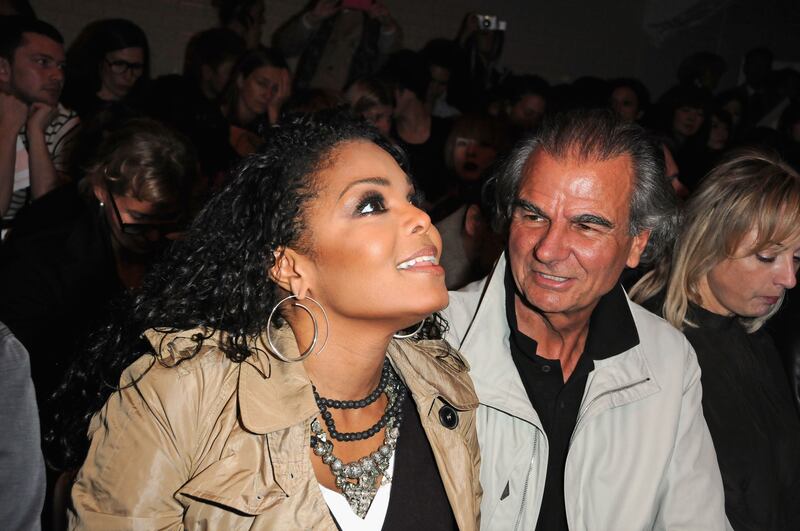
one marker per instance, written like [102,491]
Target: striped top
[58,136]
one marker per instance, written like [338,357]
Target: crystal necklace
[358,480]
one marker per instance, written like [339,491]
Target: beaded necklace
[358,480]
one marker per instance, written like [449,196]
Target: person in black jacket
[736,256]
[74,250]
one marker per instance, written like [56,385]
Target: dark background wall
[560,40]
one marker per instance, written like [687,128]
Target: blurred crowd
[102,166]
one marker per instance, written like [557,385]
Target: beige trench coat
[212,444]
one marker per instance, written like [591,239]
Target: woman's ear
[100,193]
[289,272]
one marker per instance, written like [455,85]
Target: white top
[347,519]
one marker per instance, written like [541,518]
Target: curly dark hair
[216,277]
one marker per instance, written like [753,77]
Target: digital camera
[490,23]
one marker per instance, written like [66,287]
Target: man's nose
[553,245]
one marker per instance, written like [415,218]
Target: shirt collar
[611,326]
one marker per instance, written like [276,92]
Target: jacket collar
[496,377]
[611,327]
[492,370]
[432,369]
[274,395]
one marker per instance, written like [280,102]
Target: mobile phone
[361,5]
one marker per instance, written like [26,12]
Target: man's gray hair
[598,135]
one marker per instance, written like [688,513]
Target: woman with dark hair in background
[258,87]
[261,386]
[737,254]
[109,63]
[680,116]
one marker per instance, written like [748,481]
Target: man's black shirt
[611,331]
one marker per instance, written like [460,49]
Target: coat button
[448,417]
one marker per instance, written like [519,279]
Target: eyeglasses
[137,229]
[120,67]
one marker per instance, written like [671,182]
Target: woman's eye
[371,204]
[765,259]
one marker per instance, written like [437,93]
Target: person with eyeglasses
[79,247]
[108,67]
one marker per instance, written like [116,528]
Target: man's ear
[637,248]
[290,272]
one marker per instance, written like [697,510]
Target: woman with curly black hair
[270,374]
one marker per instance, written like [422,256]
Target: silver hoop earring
[412,334]
[310,349]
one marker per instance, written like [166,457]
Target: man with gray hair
[590,412]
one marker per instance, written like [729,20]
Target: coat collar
[492,370]
[497,379]
[274,395]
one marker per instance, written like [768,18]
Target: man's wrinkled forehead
[574,154]
[585,173]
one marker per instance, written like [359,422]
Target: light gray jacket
[640,457]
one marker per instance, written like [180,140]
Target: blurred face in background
[440,77]
[528,111]
[471,157]
[625,103]
[138,228]
[381,117]
[687,120]
[718,134]
[120,71]
[259,88]
[36,71]
[216,78]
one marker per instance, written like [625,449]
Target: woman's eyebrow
[380,181]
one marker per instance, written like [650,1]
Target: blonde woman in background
[737,254]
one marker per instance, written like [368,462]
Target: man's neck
[558,336]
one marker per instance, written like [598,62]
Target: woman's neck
[350,370]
